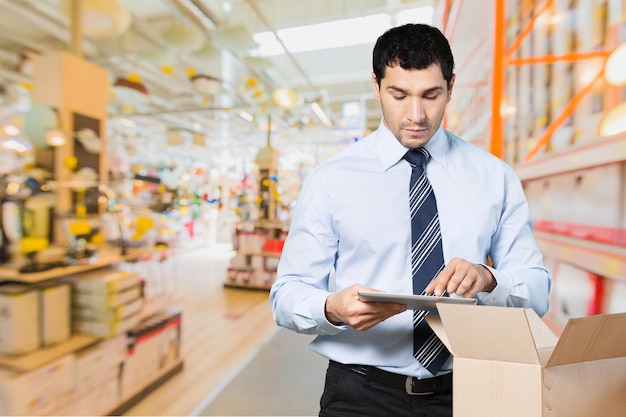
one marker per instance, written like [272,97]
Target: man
[352,228]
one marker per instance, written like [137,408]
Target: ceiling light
[55,138]
[130,91]
[338,33]
[183,37]
[320,114]
[17,145]
[102,19]
[234,38]
[287,98]
[127,122]
[207,85]
[11,130]
[614,68]
[246,116]
[614,122]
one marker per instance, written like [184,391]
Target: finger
[439,285]
[475,289]
[463,286]
[452,286]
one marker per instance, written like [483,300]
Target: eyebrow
[427,91]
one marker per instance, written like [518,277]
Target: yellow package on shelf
[107,282]
[80,227]
[108,315]
[103,300]
[105,329]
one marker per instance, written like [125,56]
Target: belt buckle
[408,386]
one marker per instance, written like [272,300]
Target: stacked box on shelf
[106,303]
[54,313]
[96,377]
[33,316]
[239,275]
[19,319]
[272,248]
[154,347]
[95,400]
[39,391]
[256,259]
[250,242]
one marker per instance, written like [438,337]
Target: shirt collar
[391,150]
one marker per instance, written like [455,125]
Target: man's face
[413,102]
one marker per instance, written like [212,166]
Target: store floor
[283,378]
[230,343]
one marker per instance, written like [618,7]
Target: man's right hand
[345,307]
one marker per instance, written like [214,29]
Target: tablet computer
[413,302]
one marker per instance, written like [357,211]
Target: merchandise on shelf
[154,347]
[257,251]
[106,304]
[99,379]
[55,312]
[37,392]
[19,321]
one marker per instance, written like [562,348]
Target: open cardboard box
[508,363]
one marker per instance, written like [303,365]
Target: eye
[431,96]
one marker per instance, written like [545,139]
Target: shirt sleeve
[522,280]
[298,296]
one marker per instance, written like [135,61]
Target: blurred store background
[156,124]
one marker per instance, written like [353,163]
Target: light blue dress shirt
[352,218]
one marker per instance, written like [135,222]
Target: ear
[376,87]
[450,87]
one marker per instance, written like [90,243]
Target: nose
[415,110]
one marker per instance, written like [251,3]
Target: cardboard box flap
[492,333]
[591,338]
[545,339]
[434,321]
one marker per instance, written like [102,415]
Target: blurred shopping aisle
[221,327]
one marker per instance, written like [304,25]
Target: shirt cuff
[319,316]
[500,294]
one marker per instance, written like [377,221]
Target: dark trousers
[347,394]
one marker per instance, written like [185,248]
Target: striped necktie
[426,258]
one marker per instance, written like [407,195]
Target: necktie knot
[417,157]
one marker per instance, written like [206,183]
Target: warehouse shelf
[104,259]
[136,398]
[599,258]
[605,151]
[43,356]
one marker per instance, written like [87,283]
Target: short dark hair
[413,46]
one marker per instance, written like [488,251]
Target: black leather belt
[412,385]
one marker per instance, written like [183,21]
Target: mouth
[415,131]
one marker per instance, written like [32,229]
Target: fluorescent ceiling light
[335,34]
[246,116]
[321,114]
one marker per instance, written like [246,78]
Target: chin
[413,142]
